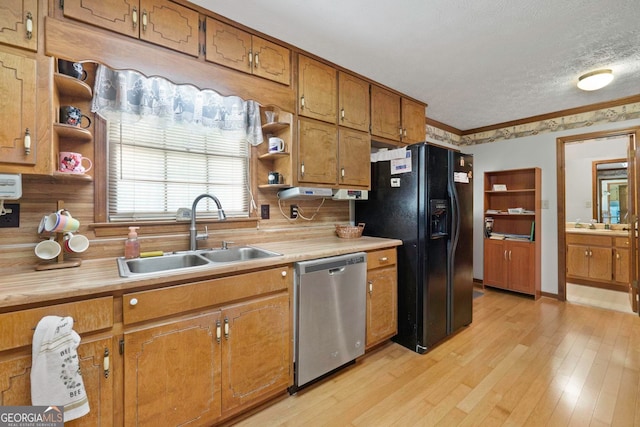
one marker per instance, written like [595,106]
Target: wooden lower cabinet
[199,369]
[510,265]
[15,356]
[598,260]
[382,296]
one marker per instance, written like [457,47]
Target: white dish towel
[55,368]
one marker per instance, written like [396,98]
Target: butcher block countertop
[100,277]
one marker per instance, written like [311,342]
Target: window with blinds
[155,169]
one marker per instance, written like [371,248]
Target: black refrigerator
[426,200]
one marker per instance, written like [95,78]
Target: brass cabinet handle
[105,363]
[256,61]
[218,331]
[145,20]
[302,102]
[509,255]
[302,168]
[226,328]
[505,255]
[370,282]
[342,114]
[342,172]
[28,23]
[134,17]
[250,58]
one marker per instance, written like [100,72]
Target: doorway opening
[587,196]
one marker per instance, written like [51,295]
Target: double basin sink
[190,259]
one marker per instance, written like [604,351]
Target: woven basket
[349,231]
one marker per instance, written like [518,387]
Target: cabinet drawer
[588,240]
[381,258]
[621,242]
[16,328]
[155,303]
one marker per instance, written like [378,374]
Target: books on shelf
[497,236]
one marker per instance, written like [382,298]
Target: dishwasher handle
[336,270]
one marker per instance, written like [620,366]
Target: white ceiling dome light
[595,79]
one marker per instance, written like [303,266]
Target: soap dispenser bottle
[131,245]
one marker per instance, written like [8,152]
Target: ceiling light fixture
[595,80]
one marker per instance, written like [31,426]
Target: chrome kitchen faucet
[193,234]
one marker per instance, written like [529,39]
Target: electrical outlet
[12,217]
[264,211]
[294,212]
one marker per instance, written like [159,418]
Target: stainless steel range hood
[305,193]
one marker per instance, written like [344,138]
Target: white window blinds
[156,169]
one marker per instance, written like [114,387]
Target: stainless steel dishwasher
[329,315]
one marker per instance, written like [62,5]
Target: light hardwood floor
[520,363]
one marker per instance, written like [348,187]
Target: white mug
[48,249]
[276,145]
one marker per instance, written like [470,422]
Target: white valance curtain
[124,94]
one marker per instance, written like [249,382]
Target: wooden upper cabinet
[317,152]
[353,100]
[18,84]
[237,49]
[385,113]
[354,150]
[170,25]
[161,22]
[16,17]
[413,122]
[317,90]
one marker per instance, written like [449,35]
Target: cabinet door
[353,99]
[17,84]
[99,387]
[170,25]
[317,90]
[577,261]
[382,305]
[495,259]
[317,152]
[172,373]
[354,158]
[228,46]
[271,61]
[256,356]
[15,382]
[413,122]
[600,263]
[121,16]
[385,113]
[13,23]
[521,266]
[622,265]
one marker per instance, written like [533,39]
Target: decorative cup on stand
[276,145]
[70,115]
[75,243]
[72,69]
[71,162]
[48,249]
[60,222]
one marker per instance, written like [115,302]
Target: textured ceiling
[475,62]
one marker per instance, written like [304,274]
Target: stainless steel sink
[135,266]
[240,253]
[190,259]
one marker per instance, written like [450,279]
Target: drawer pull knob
[384,259]
[133,301]
[284,273]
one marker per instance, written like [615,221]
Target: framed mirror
[610,191]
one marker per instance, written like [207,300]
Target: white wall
[579,159]
[532,151]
